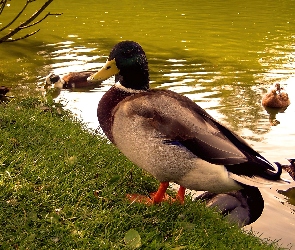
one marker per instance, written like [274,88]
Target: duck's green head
[127,61]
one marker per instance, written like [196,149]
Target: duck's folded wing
[179,121]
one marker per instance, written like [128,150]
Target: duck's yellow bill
[108,70]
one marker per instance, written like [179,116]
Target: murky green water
[222,54]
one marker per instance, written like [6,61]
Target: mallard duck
[3,90]
[169,135]
[276,97]
[290,168]
[70,81]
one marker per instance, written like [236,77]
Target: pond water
[224,55]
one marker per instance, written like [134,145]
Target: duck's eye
[108,67]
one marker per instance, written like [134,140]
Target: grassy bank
[62,187]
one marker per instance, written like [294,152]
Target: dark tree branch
[48,14]
[37,13]
[17,16]
[23,37]
[26,24]
[2,5]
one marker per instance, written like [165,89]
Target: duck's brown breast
[105,109]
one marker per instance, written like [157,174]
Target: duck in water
[276,97]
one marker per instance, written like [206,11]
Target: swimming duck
[70,81]
[276,97]
[169,135]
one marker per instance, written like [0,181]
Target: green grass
[63,187]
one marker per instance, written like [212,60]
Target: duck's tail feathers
[270,175]
[268,178]
[257,181]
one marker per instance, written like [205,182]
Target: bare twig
[48,14]
[23,37]
[37,13]
[17,16]
[26,24]
[2,5]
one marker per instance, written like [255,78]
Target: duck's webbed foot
[159,196]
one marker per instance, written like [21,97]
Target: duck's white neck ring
[129,90]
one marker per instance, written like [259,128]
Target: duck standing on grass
[276,97]
[170,136]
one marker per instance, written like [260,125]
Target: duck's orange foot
[148,200]
[165,198]
[139,198]
[158,196]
